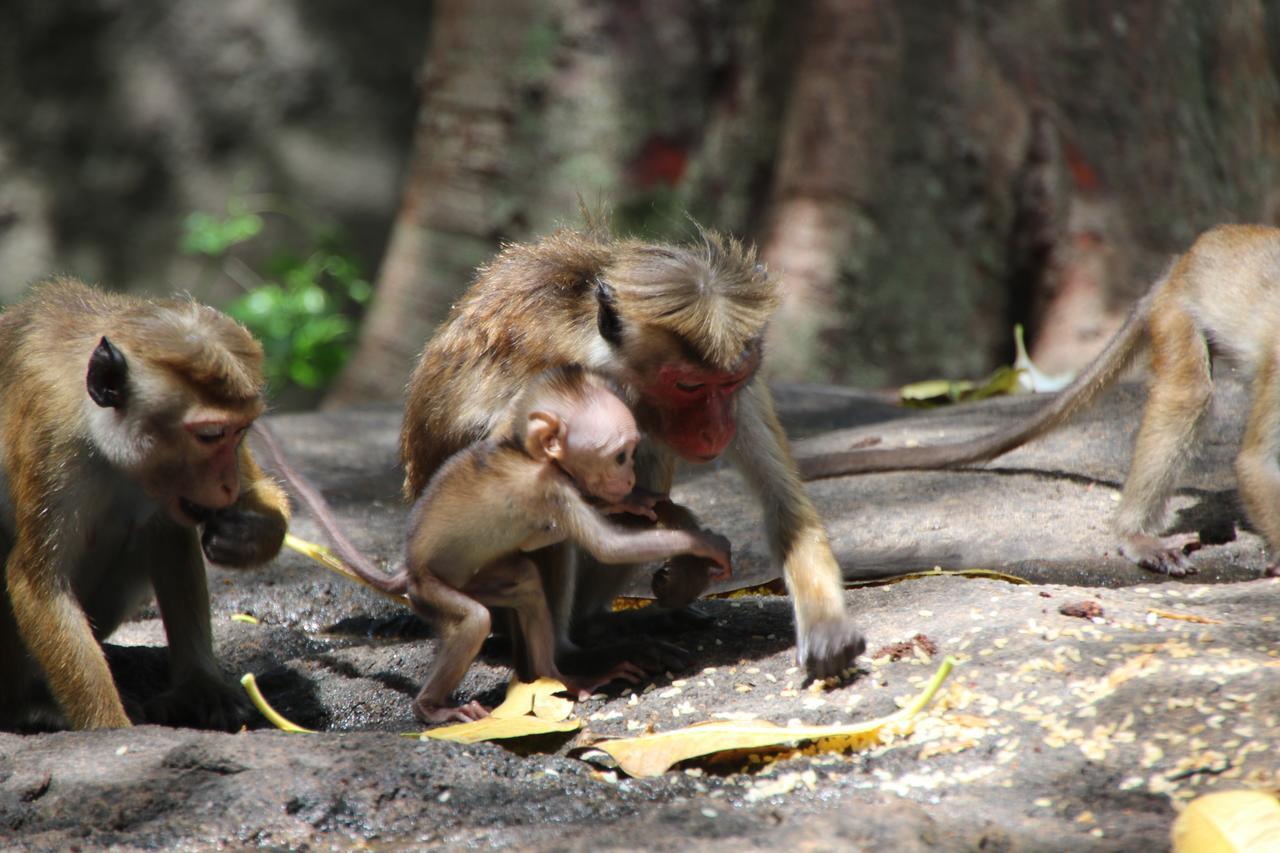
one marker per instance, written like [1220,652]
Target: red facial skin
[695,407]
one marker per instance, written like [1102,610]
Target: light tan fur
[705,305]
[566,441]
[96,502]
[1222,295]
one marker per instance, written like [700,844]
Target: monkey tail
[1101,373]
[319,507]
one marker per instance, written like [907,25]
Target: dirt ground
[1087,707]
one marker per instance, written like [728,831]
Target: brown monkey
[680,329]
[495,501]
[120,438]
[1224,295]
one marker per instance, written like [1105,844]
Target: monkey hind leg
[463,623]
[1181,391]
[1257,470]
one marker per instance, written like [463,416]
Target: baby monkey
[562,459]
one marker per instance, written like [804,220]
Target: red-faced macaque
[680,330]
[563,455]
[120,457]
[1223,296]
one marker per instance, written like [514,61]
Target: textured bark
[833,149]
[506,150]
[449,210]
[921,174]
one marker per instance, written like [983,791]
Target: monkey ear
[108,377]
[607,314]
[544,438]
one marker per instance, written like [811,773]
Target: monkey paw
[238,537]
[204,701]
[829,648]
[467,713]
[1169,556]
[682,580]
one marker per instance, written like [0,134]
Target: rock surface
[1055,730]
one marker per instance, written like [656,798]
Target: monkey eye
[210,434]
[621,458]
[690,387]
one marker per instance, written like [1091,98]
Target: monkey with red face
[680,330]
[121,423]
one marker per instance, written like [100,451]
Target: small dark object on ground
[897,651]
[1086,609]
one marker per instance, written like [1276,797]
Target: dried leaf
[536,697]
[530,708]
[1030,377]
[772,587]
[1184,617]
[273,716]
[654,754]
[937,572]
[1019,378]
[499,728]
[1230,822]
[244,617]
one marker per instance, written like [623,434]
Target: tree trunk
[450,207]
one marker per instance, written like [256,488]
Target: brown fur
[540,305]
[83,531]
[1224,294]
[567,438]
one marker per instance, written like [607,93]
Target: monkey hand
[716,548]
[829,648]
[203,700]
[681,580]
[241,537]
[640,502]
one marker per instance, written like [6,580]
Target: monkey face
[600,448]
[694,409]
[150,424]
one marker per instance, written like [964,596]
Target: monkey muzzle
[189,512]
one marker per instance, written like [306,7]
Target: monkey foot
[204,701]
[644,658]
[470,712]
[583,687]
[1166,556]
[829,648]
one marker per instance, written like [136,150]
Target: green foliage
[302,311]
[206,234]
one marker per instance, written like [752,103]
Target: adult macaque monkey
[568,440]
[1223,296]
[680,329]
[120,456]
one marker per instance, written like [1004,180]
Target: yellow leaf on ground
[1229,822]
[273,716]
[536,697]
[1184,617]
[654,754]
[530,708]
[937,572]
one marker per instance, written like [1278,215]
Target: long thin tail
[1096,378]
[319,507]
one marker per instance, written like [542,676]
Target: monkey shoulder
[488,480]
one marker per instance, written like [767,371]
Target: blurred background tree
[922,175]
